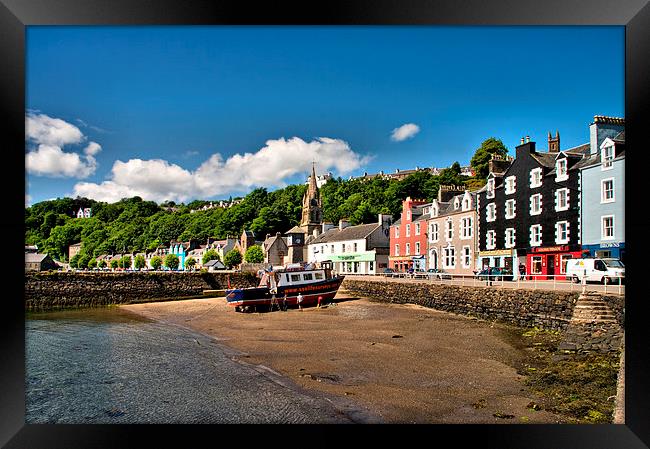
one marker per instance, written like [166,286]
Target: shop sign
[551,249]
[360,257]
[610,245]
[496,252]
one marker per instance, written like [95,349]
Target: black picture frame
[15,15]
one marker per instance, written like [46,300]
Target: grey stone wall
[524,308]
[61,289]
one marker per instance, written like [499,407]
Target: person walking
[320,298]
[284,303]
[300,301]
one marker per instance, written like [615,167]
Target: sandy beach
[402,363]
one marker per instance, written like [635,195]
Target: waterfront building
[361,249]
[275,249]
[181,249]
[74,250]
[408,242]
[452,231]
[529,210]
[39,262]
[602,185]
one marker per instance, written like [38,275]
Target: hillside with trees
[134,225]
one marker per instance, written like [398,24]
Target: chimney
[602,128]
[343,223]
[315,232]
[385,220]
[524,149]
[278,234]
[268,236]
[554,143]
[527,139]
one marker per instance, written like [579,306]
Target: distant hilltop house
[401,174]
[321,180]
[84,213]
[223,204]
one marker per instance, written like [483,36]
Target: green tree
[481,159]
[254,254]
[190,262]
[101,264]
[139,262]
[92,263]
[83,260]
[171,261]
[156,262]
[232,258]
[74,262]
[114,263]
[126,262]
[210,255]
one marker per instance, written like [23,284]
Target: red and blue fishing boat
[280,287]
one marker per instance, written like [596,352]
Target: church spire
[311,202]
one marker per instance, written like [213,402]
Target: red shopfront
[550,262]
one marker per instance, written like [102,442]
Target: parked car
[420,274]
[389,272]
[611,271]
[436,273]
[494,274]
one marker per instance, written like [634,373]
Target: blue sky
[173,111]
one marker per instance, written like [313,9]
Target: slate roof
[214,263]
[34,257]
[271,240]
[296,230]
[350,233]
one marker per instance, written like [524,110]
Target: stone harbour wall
[550,310]
[74,289]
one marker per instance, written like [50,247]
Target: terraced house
[408,241]
[452,231]
[529,212]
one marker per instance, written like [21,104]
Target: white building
[361,249]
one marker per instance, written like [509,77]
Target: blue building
[602,186]
[181,249]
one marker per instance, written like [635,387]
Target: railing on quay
[611,284]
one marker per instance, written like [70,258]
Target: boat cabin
[289,278]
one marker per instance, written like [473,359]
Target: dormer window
[561,170]
[510,185]
[607,156]
[490,188]
[536,177]
[467,204]
[456,204]
[434,211]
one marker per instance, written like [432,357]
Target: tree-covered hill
[135,225]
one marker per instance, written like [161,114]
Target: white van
[598,270]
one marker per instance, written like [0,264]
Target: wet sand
[402,363]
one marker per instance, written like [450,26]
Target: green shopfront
[357,263]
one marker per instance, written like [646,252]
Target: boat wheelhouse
[281,286]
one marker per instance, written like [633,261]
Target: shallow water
[108,365]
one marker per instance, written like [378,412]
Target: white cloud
[270,166]
[404,132]
[49,159]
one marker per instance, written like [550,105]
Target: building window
[467,257]
[450,257]
[408,230]
[536,265]
[535,177]
[397,250]
[371,266]
[417,248]
[332,249]
[536,204]
[434,232]
[564,259]
[450,229]
[535,235]
[562,232]
[355,247]
[607,190]
[343,248]
[467,204]
[397,232]
[490,240]
[561,170]
[510,209]
[491,212]
[607,157]
[511,182]
[607,227]
[408,249]
[408,215]
[490,188]
[456,204]
[561,199]
[466,227]
[510,238]
[434,211]
[417,228]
